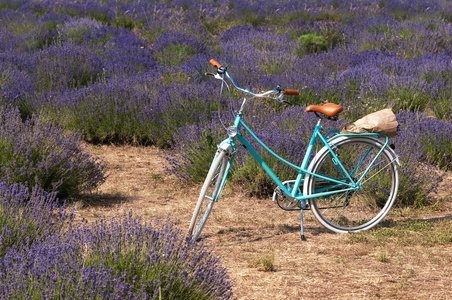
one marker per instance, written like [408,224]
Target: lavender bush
[38,152]
[120,258]
[44,254]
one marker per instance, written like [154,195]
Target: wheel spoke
[385,167]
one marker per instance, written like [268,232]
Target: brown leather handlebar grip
[291,92]
[214,63]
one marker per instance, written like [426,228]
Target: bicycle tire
[358,209]
[209,193]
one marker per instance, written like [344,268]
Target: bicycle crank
[288,202]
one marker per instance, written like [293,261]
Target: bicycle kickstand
[303,238]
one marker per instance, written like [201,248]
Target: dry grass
[260,243]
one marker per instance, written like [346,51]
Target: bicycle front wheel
[358,209]
[210,191]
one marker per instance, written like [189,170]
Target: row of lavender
[45,254]
[128,71]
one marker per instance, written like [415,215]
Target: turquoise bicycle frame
[348,185]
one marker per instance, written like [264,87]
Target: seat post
[319,122]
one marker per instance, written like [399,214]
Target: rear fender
[391,153]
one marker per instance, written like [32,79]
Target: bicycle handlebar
[291,92]
[287,92]
[214,63]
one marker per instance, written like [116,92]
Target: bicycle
[350,184]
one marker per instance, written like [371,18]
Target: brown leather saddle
[328,109]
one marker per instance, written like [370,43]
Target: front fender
[227,145]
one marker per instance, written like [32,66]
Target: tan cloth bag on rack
[382,121]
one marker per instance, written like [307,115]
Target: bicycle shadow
[244,235]
[106,200]
[311,230]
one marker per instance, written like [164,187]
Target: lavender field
[132,72]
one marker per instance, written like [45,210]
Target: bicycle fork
[229,147]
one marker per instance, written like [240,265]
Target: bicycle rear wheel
[358,209]
[210,191]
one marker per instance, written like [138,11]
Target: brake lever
[282,99]
[216,76]
[287,102]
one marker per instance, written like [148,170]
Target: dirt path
[253,235]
